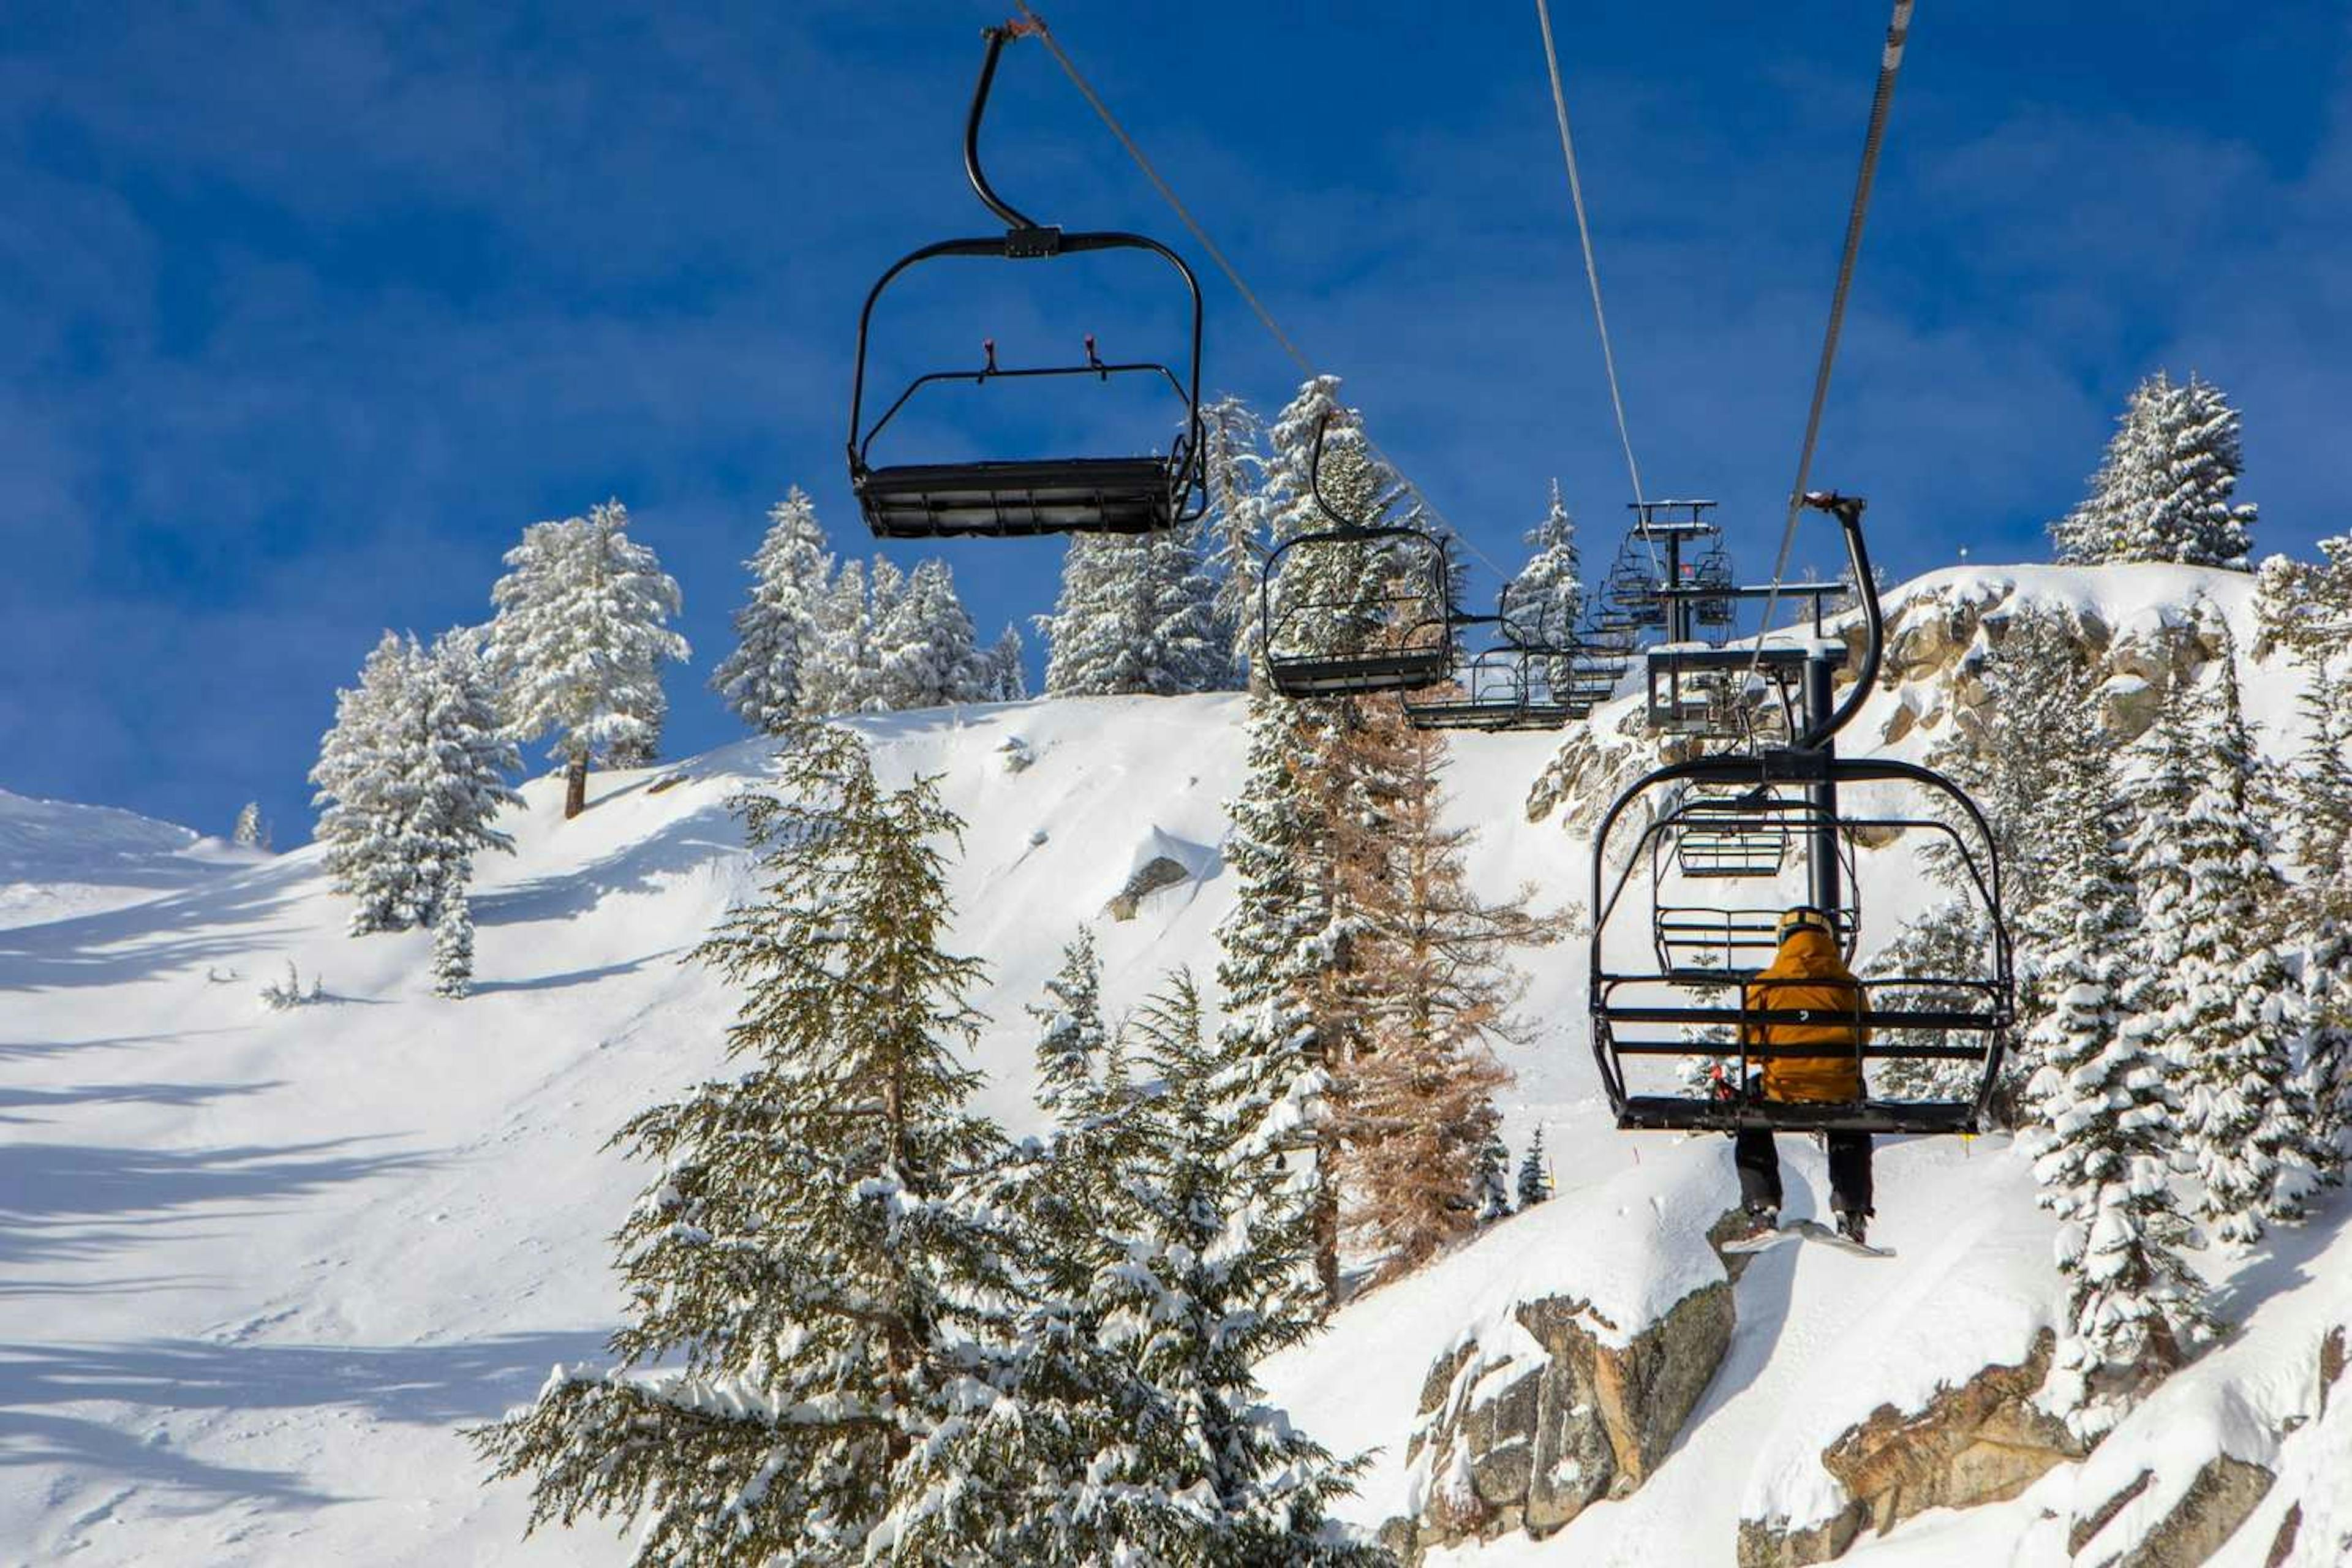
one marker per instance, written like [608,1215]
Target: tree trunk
[1326,1203]
[575,787]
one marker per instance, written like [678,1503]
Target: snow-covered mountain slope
[59,859]
[257,1269]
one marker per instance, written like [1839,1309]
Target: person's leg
[1849,1173]
[1760,1168]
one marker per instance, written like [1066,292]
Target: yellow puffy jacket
[1808,974]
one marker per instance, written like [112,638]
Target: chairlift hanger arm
[1848,511]
[1014,218]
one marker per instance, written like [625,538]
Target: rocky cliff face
[1938,638]
[1530,1443]
[1982,1441]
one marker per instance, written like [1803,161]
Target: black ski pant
[1759,1169]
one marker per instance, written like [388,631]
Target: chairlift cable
[1890,61]
[1593,272]
[1034,25]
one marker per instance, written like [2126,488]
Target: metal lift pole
[1822,861]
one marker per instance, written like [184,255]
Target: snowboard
[1807,1230]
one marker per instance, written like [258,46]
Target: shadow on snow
[428,1384]
[62,1201]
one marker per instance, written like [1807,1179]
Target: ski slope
[257,1269]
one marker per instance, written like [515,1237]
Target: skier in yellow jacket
[1807,974]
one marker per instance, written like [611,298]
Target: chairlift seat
[1405,668]
[1019,499]
[1675,1113]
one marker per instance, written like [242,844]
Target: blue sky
[305,313]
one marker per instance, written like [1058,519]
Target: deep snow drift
[256,1269]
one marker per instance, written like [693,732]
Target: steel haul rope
[1890,61]
[1592,274]
[1032,25]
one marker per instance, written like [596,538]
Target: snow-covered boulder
[1983,1440]
[1162,860]
[1575,1394]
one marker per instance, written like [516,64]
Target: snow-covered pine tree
[2103,1121]
[366,790]
[1273,1070]
[1184,651]
[2037,683]
[251,832]
[463,759]
[2324,1052]
[2163,492]
[885,586]
[1490,1180]
[802,1271]
[1204,1289]
[925,652]
[1070,1033]
[839,672]
[1134,617]
[2233,1011]
[1090,641]
[1007,677]
[1010,1478]
[1431,989]
[776,630]
[1534,1186]
[1233,529]
[2034,680]
[1127,1425]
[2165,783]
[577,645]
[453,946]
[2320,807]
[2319,790]
[1544,602]
[409,780]
[2303,606]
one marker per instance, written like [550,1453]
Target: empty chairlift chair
[1487,691]
[1355,607]
[1727,837]
[1712,570]
[1129,494]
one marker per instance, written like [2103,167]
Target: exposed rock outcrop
[1937,639]
[2216,1503]
[1594,764]
[1154,874]
[1530,1441]
[1982,1441]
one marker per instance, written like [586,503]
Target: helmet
[1802,918]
